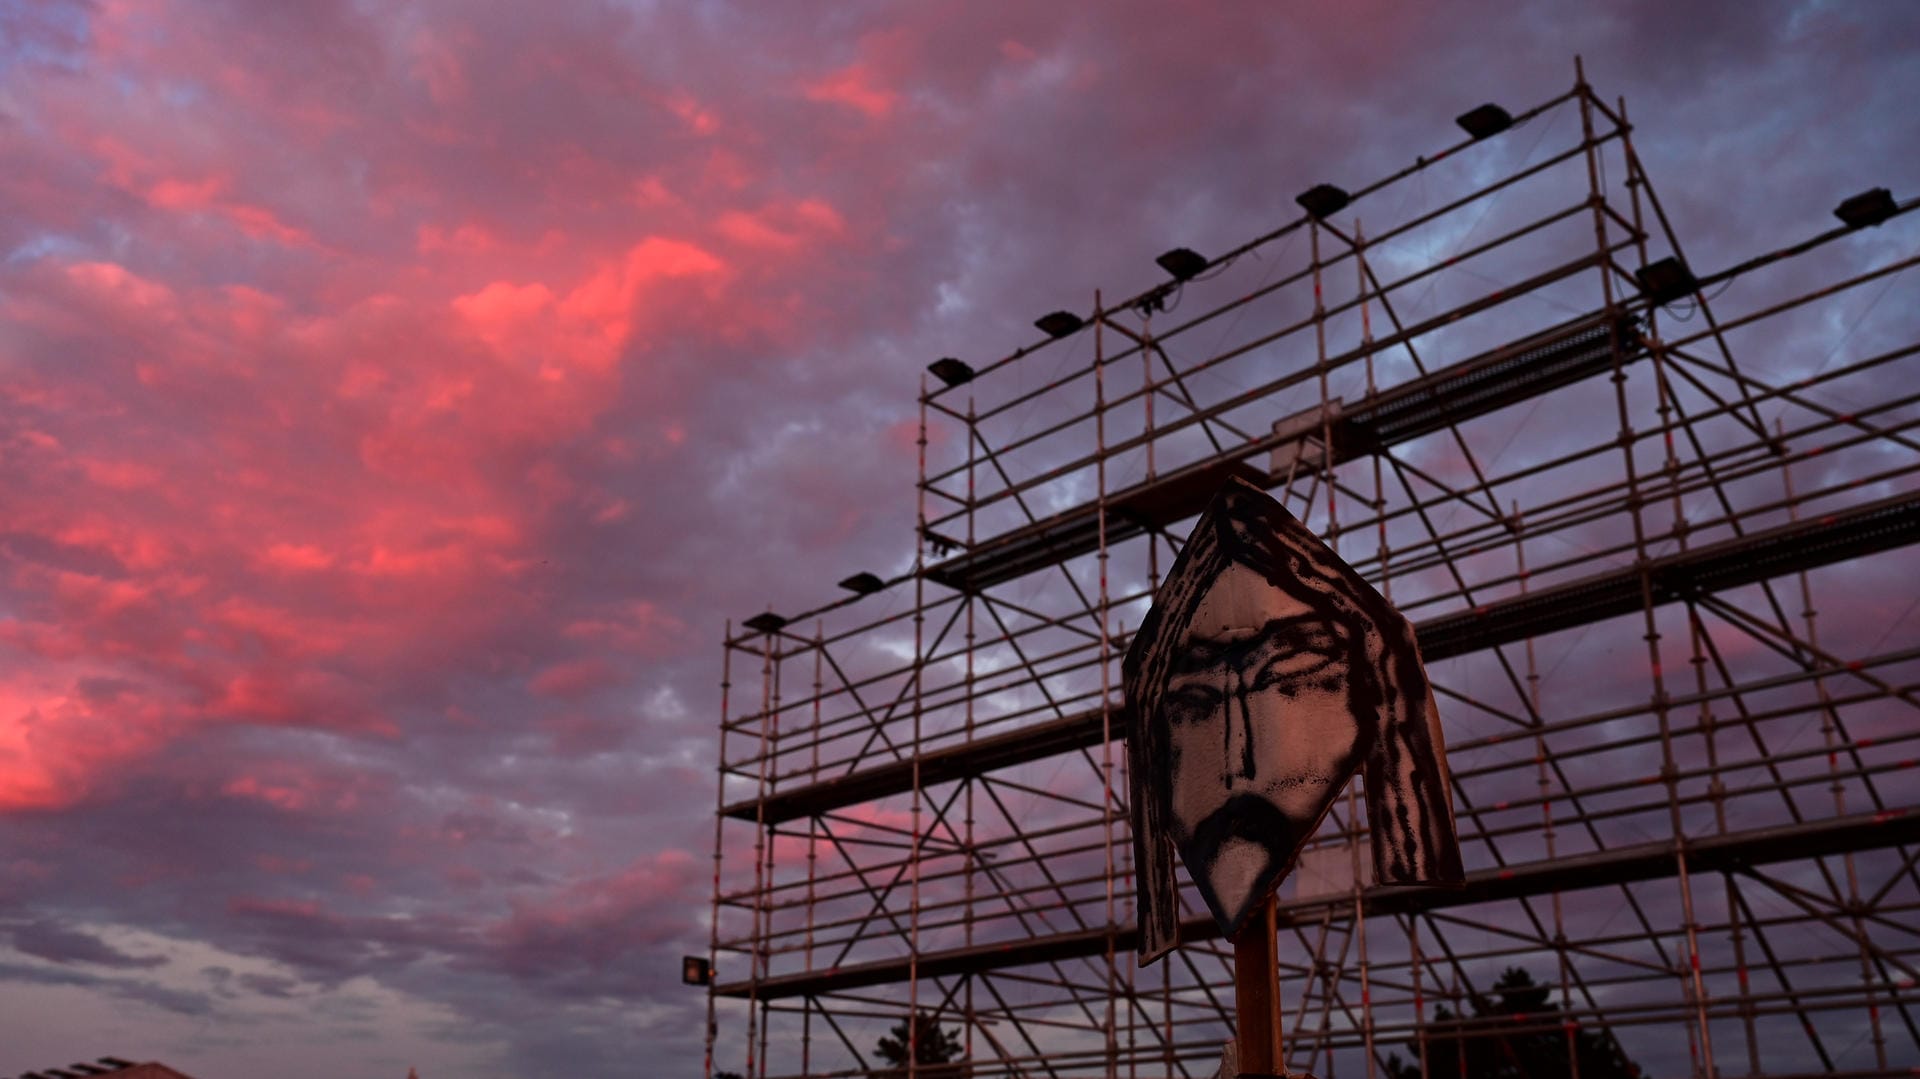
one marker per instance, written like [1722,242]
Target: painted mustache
[1254,819]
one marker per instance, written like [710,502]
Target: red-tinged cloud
[782,229]
[575,678]
[600,924]
[854,87]
[57,735]
[288,786]
[464,239]
[439,62]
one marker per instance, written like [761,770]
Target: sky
[397,398]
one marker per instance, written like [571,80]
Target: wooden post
[1256,994]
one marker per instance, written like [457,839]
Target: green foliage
[1493,1050]
[932,1044]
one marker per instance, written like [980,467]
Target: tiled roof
[109,1066]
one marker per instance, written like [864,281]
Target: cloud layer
[395,400]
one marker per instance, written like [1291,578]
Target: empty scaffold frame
[1684,788]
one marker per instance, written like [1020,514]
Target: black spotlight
[1323,200]
[695,970]
[1484,122]
[864,583]
[1183,263]
[765,622]
[1866,208]
[951,371]
[1665,281]
[1059,323]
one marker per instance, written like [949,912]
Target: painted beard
[1220,843]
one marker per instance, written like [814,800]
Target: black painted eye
[1291,667]
[1192,703]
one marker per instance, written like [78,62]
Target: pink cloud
[651,192]
[114,285]
[267,696]
[57,743]
[574,678]
[637,628]
[145,176]
[297,909]
[604,920]
[469,238]
[262,224]
[600,314]
[292,788]
[287,633]
[698,118]
[782,228]
[502,310]
[297,557]
[117,475]
[250,312]
[127,543]
[854,87]
[185,194]
[438,62]
[586,330]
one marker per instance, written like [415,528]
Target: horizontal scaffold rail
[1545,361]
[1732,852]
[1817,541]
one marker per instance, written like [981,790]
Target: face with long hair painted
[1258,714]
[1266,675]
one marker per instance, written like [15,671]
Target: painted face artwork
[1266,674]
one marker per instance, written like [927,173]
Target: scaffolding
[1685,791]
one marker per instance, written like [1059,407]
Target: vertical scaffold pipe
[1386,584]
[762,883]
[813,839]
[719,818]
[1691,977]
[1830,735]
[1568,1028]
[1153,586]
[770,765]
[1106,660]
[972,854]
[919,671]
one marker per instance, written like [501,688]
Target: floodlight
[1323,200]
[1059,323]
[1665,281]
[1866,208]
[1484,122]
[766,622]
[695,970]
[951,371]
[863,583]
[1183,263]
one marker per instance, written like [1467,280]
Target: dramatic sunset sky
[397,397]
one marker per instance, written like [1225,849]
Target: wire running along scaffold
[1685,793]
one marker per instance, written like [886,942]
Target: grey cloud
[180,1001]
[45,939]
